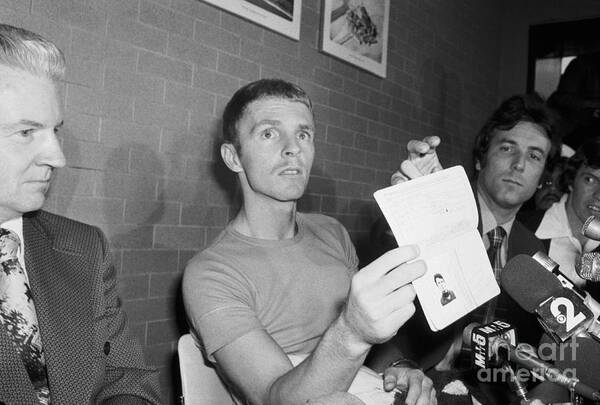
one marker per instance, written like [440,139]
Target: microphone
[485,340]
[496,339]
[559,305]
[591,228]
[588,266]
[580,357]
[553,267]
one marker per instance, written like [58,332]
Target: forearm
[379,303]
[331,367]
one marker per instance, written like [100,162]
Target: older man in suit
[63,334]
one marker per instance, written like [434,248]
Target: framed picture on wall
[282,16]
[356,31]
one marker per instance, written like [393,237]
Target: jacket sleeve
[127,379]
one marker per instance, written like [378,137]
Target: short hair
[437,276]
[257,90]
[512,111]
[588,155]
[28,51]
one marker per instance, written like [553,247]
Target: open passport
[438,213]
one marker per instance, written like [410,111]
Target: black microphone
[561,310]
[553,267]
[496,339]
[580,358]
[484,341]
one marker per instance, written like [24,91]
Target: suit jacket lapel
[61,296]
[479,224]
[523,241]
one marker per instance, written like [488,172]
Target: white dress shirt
[488,222]
[565,249]
[16,225]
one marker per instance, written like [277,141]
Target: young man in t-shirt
[276,301]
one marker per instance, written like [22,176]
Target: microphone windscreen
[528,282]
[466,335]
[591,228]
[588,266]
[579,357]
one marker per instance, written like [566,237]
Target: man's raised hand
[381,296]
[422,160]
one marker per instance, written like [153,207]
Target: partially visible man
[552,187]
[276,301]
[561,224]
[63,334]
[509,155]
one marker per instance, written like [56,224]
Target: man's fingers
[408,168]
[417,147]
[390,381]
[403,275]
[391,260]
[426,388]
[432,141]
[433,397]
[398,177]
[401,314]
[414,388]
[427,145]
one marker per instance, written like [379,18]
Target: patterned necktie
[496,237]
[17,313]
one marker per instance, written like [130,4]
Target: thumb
[410,170]
[389,381]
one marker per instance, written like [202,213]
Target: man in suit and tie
[509,154]
[63,334]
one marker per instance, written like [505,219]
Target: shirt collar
[488,221]
[555,223]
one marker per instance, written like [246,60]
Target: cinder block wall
[148,79]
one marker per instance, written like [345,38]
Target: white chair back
[200,383]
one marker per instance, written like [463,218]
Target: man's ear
[230,157]
[477,165]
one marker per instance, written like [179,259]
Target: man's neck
[501,215]
[7,215]
[575,223]
[266,220]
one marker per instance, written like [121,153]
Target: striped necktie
[17,313]
[496,237]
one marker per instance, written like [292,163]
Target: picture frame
[282,16]
[356,31]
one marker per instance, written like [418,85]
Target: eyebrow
[589,172]
[304,127]
[307,127]
[29,123]
[264,122]
[513,142]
